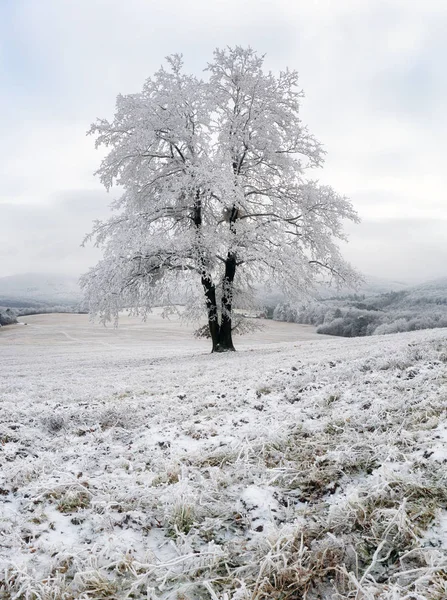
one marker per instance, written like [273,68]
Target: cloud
[374,79]
[411,250]
[47,237]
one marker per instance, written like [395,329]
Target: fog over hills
[434,287]
[422,306]
[370,286]
[43,288]
[39,288]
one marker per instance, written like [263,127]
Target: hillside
[431,292]
[33,289]
[37,289]
[370,286]
[420,307]
[310,469]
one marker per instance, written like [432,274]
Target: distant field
[135,464]
[162,334]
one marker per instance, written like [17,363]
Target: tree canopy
[215,197]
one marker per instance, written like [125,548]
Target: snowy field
[134,464]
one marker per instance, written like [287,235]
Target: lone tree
[214,195]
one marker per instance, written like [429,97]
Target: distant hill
[431,292]
[369,287]
[422,306]
[377,285]
[33,289]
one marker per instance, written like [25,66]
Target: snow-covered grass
[312,469]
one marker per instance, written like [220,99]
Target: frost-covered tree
[7,316]
[215,198]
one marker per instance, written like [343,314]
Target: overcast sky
[373,73]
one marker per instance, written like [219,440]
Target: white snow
[133,461]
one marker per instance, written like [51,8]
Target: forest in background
[420,307]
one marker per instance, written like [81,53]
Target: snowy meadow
[135,464]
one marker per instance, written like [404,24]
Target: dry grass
[345,464]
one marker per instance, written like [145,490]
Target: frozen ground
[163,335]
[134,464]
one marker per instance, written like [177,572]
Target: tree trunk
[225,343]
[225,335]
[211,307]
[207,283]
[221,335]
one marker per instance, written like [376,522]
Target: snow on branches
[215,198]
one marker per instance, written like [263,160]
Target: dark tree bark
[211,307]
[225,341]
[225,335]
[207,283]
[221,334]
